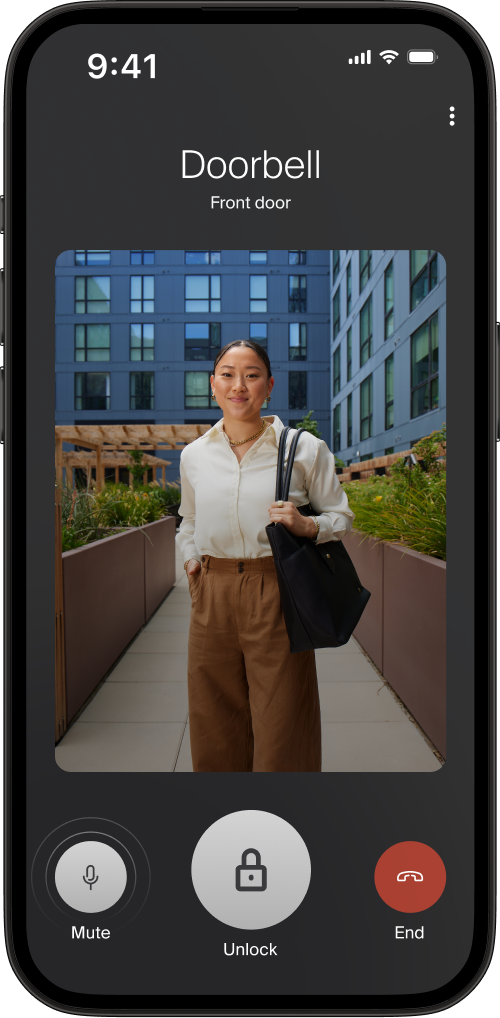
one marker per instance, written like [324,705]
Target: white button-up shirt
[225,502]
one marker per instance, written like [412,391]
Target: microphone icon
[90,876]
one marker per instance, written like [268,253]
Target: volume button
[2,405]
[2,306]
[497,380]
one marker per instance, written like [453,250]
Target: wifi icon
[388,55]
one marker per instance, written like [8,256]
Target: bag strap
[280,466]
[289,467]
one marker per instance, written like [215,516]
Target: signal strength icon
[389,55]
[365,58]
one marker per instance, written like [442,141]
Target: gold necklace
[243,440]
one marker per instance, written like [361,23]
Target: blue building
[388,349]
[137,333]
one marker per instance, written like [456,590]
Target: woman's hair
[256,347]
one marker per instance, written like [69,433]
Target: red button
[410,876]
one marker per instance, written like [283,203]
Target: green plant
[137,467]
[88,515]
[309,425]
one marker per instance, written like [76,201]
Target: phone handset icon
[414,874]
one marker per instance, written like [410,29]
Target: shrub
[89,515]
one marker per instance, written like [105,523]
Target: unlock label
[251,876]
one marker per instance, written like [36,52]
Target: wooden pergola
[108,446]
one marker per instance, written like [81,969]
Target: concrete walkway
[138,719]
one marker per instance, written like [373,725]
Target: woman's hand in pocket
[193,566]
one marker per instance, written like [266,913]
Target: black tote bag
[321,594]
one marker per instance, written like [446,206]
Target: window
[202,257]
[336,312]
[92,342]
[202,294]
[142,342]
[366,408]
[258,294]
[142,257]
[297,390]
[297,341]
[92,295]
[336,370]
[365,332]
[423,275]
[297,294]
[389,392]
[201,341]
[389,300]
[424,368]
[92,257]
[389,450]
[335,265]
[197,389]
[142,390]
[365,268]
[348,284]
[349,419]
[142,294]
[296,257]
[366,456]
[349,354]
[258,332]
[258,257]
[91,390]
[336,428]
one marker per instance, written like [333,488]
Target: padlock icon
[251,876]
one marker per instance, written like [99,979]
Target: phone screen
[205,628]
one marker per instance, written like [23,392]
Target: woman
[253,706]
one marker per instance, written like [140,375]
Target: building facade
[388,349]
[137,333]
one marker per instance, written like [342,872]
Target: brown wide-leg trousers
[253,706]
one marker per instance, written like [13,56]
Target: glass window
[389,300]
[366,408]
[365,332]
[258,257]
[201,341]
[197,389]
[142,257]
[348,283]
[349,419]
[142,342]
[92,342]
[425,368]
[336,312]
[389,392]
[297,294]
[91,390]
[349,354]
[142,390]
[258,294]
[336,370]
[297,341]
[365,268]
[389,450]
[423,275]
[202,257]
[297,390]
[296,257]
[92,295]
[258,332]
[142,294]
[202,294]
[92,257]
[335,265]
[336,428]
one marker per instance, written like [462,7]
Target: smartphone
[150,390]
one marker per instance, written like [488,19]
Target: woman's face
[240,383]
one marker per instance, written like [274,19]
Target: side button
[2,306]
[497,381]
[2,404]
[2,213]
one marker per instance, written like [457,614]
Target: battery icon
[421,56]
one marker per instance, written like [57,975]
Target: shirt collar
[276,425]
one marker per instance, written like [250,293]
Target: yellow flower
[378,498]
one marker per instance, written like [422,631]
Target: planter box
[111,587]
[415,636]
[368,558]
[403,627]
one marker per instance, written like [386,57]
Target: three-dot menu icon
[452,116]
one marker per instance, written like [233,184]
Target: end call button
[410,876]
